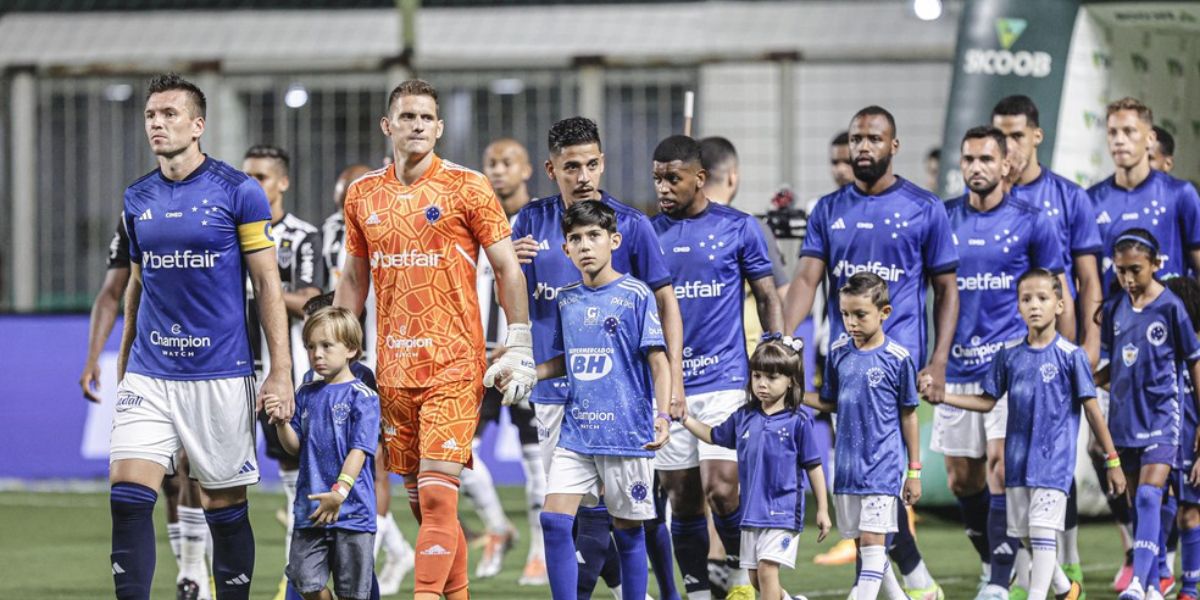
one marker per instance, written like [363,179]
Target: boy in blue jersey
[885,225]
[713,250]
[609,344]
[998,238]
[1045,379]
[776,448]
[871,382]
[1138,196]
[195,226]
[1146,330]
[1069,208]
[334,431]
[576,164]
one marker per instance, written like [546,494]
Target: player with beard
[889,226]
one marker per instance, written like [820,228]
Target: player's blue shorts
[1154,454]
[1187,493]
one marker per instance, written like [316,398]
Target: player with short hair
[841,167]
[713,251]
[609,341]
[195,226]
[506,165]
[1136,195]
[576,166]
[1162,151]
[1069,208]
[998,238]
[871,382]
[1045,379]
[933,162]
[886,225]
[415,229]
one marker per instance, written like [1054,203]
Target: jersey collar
[204,166]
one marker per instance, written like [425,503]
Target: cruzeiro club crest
[1129,354]
[1156,333]
[639,491]
[874,376]
[432,214]
[341,412]
[1049,372]
[611,324]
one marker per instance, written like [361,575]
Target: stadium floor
[54,546]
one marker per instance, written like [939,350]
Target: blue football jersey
[1066,205]
[331,420]
[709,256]
[902,235]
[774,452]
[639,255]
[1045,387]
[870,389]
[361,371]
[605,334]
[1148,348]
[1163,205]
[994,249]
[191,323]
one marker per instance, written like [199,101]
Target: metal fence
[90,144]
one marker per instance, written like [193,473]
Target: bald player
[398,553]
[506,165]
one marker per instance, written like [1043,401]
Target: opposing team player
[415,230]
[1162,151]
[195,226]
[998,238]
[398,557]
[712,251]
[576,165]
[1069,208]
[506,165]
[1138,196]
[886,225]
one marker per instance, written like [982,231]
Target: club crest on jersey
[1156,333]
[1129,354]
[874,376]
[639,491]
[610,325]
[1049,372]
[341,412]
[285,253]
[432,214]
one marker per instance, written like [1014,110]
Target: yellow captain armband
[255,236]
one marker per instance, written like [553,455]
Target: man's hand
[526,248]
[823,525]
[662,434]
[677,407]
[327,512]
[935,390]
[279,385]
[912,490]
[517,362]
[89,381]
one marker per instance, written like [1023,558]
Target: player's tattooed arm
[801,293]
[945,311]
[133,300]
[910,427]
[766,299]
[268,292]
[1116,477]
[661,373]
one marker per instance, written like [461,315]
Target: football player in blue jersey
[1045,379]
[576,165]
[1138,196]
[999,238]
[886,225]
[871,382]
[1187,479]
[608,340]
[195,226]
[712,251]
[1148,334]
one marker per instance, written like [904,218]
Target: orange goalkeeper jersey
[422,242]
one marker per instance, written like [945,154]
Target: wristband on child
[1113,463]
[346,479]
[664,416]
[340,489]
[914,473]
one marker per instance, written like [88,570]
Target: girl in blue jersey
[1046,379]
[775,446]
[1148,335]
[1188,477]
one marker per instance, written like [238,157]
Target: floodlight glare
[927,10]
[296,96]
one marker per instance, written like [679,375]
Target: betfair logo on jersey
[891,273]
[185,259]
[986,282]
[404,259]
[590,366]
[1022,63]
[545,292]
[699,289]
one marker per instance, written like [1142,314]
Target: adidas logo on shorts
[435,550]
[247,467]
[449,445]
[373,219]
